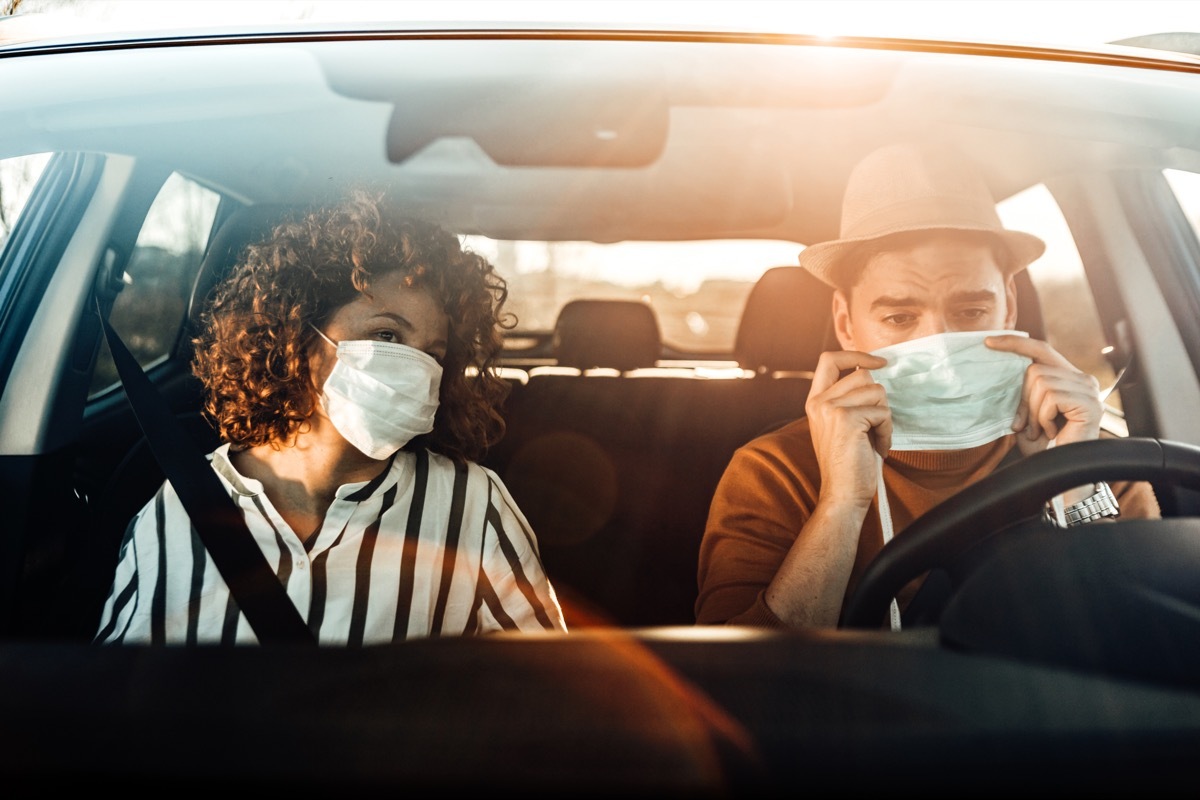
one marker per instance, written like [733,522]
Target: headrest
[243,227]
[1029,308]
[619,334]
[786,323]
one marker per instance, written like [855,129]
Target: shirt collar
[355,492]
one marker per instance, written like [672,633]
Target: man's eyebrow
[890,301]
[975,296]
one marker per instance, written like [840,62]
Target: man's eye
[973,313]
[899,319]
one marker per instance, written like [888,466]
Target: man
[922,262]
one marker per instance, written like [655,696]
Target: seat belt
[216,518]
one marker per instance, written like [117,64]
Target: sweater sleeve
[1136,500]
[760,504]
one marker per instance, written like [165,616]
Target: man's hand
[849,419]
[1058,401]
[850,422]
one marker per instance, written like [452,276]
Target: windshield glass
[696,288]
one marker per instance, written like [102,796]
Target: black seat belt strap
[217,519]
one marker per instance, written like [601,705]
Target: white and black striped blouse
[427,548]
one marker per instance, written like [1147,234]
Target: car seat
[137,476]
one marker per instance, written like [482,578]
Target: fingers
[1037,350]
[854,393]
[1054,399]
[842,380]
[881,435]
[834,363]
[850,421]
[1055,394]
[1021,421]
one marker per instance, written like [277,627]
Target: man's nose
[934,324]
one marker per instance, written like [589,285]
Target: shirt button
[301,564]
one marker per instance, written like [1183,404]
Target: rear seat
[615,464]
[575,456]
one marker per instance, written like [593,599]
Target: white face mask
[950,391]
[380,395]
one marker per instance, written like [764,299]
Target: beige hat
[909,187]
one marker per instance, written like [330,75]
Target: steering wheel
[1015,492]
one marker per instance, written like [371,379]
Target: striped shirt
[427,548]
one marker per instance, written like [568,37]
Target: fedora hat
[909,187]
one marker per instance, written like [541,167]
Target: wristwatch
[1101,503]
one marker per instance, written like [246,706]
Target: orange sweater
[771,486]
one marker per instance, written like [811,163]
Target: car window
[1061,283]
[697,289]
[150,309]
[17,178]
[1186,186]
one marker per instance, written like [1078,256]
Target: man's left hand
[1058,401]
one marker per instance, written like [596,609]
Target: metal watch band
[1102,503]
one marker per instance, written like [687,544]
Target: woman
[346,364]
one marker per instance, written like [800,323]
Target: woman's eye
[387,336]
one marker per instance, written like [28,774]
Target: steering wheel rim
[1014,492]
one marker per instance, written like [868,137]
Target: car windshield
[532,371]
[696,287]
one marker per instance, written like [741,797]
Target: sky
[1031,21]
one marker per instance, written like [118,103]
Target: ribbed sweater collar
[950,460]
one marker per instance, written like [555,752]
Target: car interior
[615,441]
[615,467]
[1065,654]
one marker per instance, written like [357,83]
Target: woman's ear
[319,356]
[842,325]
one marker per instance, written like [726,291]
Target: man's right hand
[850,421]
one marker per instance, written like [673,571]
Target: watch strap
[1101,503]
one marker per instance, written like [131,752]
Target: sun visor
[660,202]
[536,123]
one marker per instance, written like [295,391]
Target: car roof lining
[826,105]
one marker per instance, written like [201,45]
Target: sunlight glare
[1065,22]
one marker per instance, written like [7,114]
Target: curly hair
[255,335]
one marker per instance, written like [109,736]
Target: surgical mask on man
[950,391]
[381,395]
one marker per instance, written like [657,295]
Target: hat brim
[824,259]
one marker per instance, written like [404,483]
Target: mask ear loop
[885,522]
[321,333]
